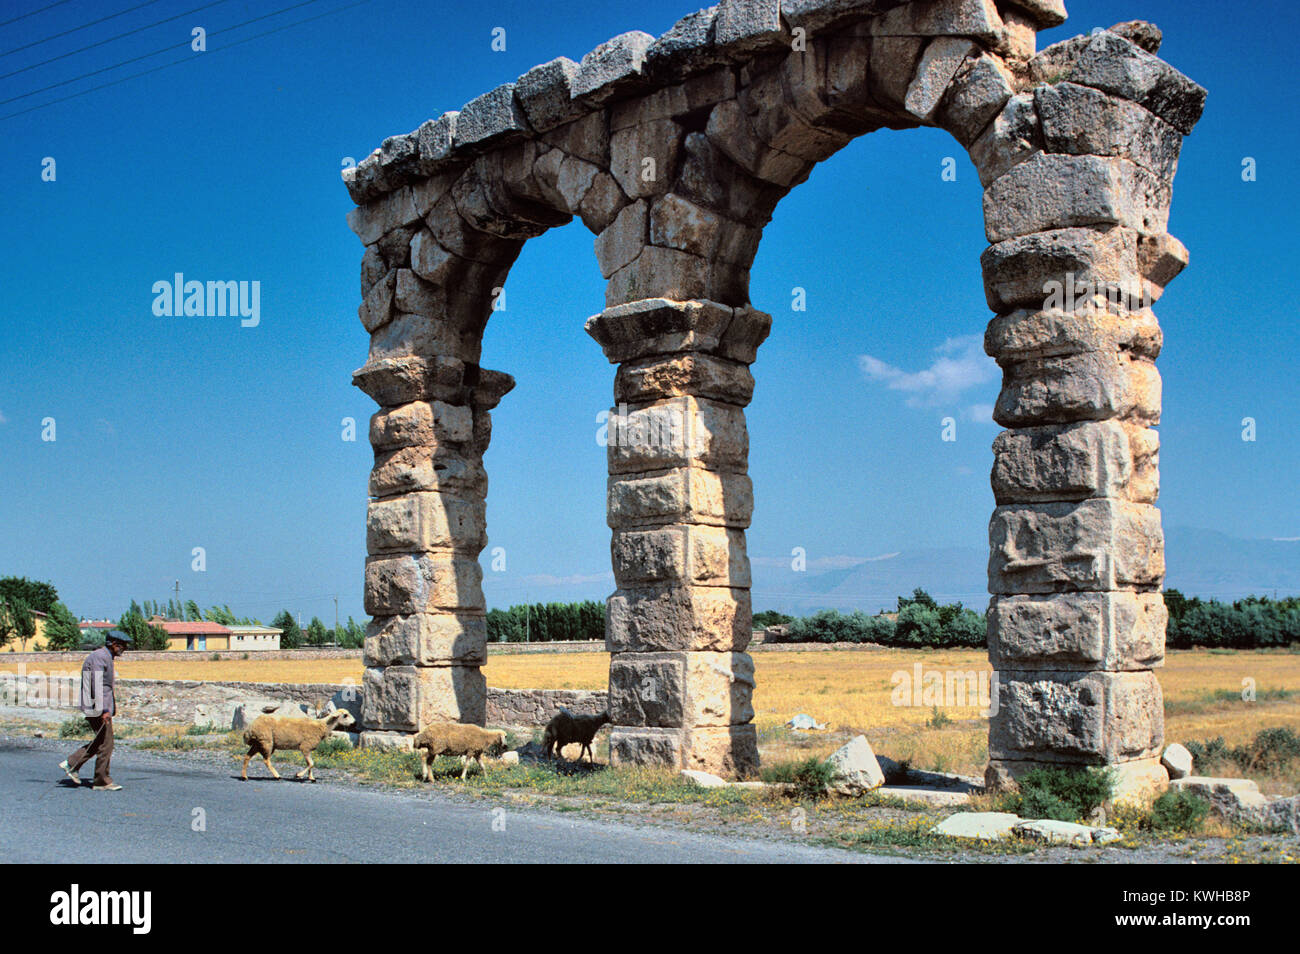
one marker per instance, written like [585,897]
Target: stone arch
[674,152]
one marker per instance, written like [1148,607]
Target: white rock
[986,826]
[804,722]
[855,768]
[1177,760]
[930,796]
[1104,836]
[1050,832]
[509,758]
[704,779]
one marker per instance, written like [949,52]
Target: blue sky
[176,433]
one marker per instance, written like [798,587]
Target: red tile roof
[192,628]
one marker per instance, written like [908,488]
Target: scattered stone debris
[855,768]
[805,723]
[1177,761]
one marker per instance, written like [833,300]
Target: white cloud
[960,364]
[980,413]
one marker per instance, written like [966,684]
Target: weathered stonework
[675,151]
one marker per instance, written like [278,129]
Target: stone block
[1177,761]
[1095,545]
[727,751]
[672,618]
[1011,138]
[1076,462]
[435,140]
[686,48]
[406,698]
[978,92]
[1077,717]
[1091,386]
[1117,66]
[611,69]
[1050,191]
[420,468]
[1044,13]
[682,495]
[973,18]
[939,64]
[1024,272]
[709,556]
[1023,334]
[422,522]
[659,326]
[377,307]
[1117,631]
[1083,121]
[424,639]
[673,375]
[678,432]
[400,585]
[545,94]
[491,119]
[392,211]
[643,158]
[646,746]
[681,689]
[420,423]
[621,243]
[744,27]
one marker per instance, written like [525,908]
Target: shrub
[1178,811]
[1271,749]
[333,745]
[1063,794]
[74,727]
[811,778]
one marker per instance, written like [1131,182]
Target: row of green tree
[1255,622]
[547,623]
[920,621]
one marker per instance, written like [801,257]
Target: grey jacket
[97,680]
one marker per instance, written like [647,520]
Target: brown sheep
[268,733]
[457,738]
[566,727]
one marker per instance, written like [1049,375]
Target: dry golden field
[852,692]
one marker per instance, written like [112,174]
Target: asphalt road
[262,821]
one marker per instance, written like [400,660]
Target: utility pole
[178,599]
[336,621]
[528,620]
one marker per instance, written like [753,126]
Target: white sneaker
[69,773]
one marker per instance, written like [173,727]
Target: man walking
[99,705]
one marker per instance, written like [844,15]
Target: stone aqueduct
[674,151]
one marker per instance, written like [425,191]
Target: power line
[64,56]
[34,12]
[189,59]
[145,56]
[84,26]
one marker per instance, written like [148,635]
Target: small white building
[254,638]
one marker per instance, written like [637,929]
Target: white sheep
[457,738]
[268,733]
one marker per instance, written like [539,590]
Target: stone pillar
[425,527]
[680,683]
[1076,206]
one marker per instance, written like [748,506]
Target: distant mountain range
[1202,563]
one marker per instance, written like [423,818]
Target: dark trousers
[100,748]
